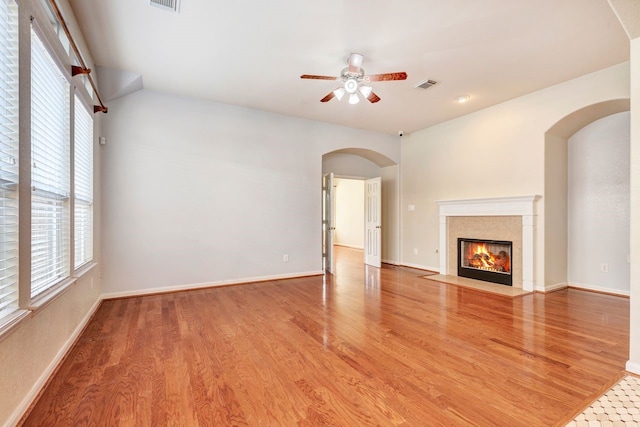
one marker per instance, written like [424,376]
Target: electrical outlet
[415,251]
[604,268]
[285,258]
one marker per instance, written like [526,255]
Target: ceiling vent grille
[426,84]
[172,5]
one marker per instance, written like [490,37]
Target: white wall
[555,192]
[390,214]
[349,165]
[204,193]
[349,212]
[598,205]
[498,151]
[634,336]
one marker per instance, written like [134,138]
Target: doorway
[359,165]
[349,212]
[352,209]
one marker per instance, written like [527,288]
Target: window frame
[51,141]
[10,134]
[33,15]
[83,197]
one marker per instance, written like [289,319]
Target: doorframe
[364,213]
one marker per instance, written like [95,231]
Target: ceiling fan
[354,81]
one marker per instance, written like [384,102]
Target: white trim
[9,322]
[552,288]
[22,408]
[388,261]
[84,269]
[52,293]
[633,367]
[419,267]
[599,289]
[349,246]
[192,286]
[495,206]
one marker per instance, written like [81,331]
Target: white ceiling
[252,53]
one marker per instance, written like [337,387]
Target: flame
[484,259]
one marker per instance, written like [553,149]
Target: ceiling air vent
[172,5]
[426,84]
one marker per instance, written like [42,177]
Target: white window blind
[50,174]
[83,180]
[8,156]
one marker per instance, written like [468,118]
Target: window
[55,24]
[50,170]
[8,156]
[83,182]
[61,123]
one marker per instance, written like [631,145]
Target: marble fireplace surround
[522,213]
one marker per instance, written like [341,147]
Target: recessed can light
[462,99]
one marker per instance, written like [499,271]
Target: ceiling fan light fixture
[351,85]
[354,80]
[365,90]
[355,60]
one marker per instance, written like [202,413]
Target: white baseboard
[420,267]
[350,246]
[551,288]
[22,408]
[599,289]
[388,261]
[633,367]
[192,286]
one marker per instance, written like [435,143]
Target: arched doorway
[362,164]
[569,204]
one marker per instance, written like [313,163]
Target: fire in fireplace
[488,260]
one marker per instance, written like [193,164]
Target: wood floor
[365,347]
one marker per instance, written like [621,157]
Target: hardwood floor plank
[363,347]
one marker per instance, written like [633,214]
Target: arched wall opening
[585,156]
[362,164]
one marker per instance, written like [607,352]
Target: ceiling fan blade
[387,77]
[314,77]
[329,97]
[355,62]
[373,98]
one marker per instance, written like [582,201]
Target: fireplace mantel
[523,206]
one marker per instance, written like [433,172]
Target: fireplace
[510,218]
[488,260]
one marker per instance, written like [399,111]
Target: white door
[328,222]
[373,224]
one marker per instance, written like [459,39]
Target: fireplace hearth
[488,260]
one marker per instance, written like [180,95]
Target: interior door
[373,223]
[328,222]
